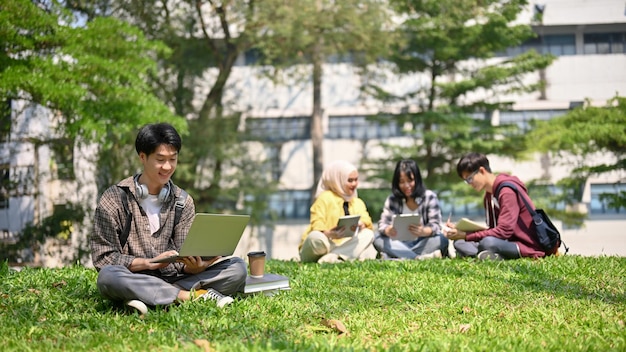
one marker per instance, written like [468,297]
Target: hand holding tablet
[350,223]
[401,223]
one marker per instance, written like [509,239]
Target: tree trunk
[210,117]
[317,132]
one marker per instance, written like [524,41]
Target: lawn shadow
[572,276]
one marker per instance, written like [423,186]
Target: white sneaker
[330,258]
[220,299]
[435,254]
[488,255]
[138,306]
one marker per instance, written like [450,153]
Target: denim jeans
[506,249]
[411,249]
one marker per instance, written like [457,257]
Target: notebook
[467,225]
[268,282]
[211,235]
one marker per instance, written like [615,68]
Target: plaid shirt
[109,221]
[428,208]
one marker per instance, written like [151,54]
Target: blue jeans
[506,249]
[411,249]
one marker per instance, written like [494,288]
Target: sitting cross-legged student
[126,271]
[510,226]
[410,196]
[336,196]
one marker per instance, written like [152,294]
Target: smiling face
[406,184]
[352,183]
[475,179]
[158,167]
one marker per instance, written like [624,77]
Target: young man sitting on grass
[123,254]
[511,232]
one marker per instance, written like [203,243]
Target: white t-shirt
[407,210]
[152,207]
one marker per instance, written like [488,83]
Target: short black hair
[471,162]
[152,135]
[412,171]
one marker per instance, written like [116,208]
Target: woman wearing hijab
[336,196]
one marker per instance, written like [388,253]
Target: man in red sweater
[511,234]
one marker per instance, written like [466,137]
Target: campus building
[41,174]
[588,38]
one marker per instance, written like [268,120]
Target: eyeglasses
[470,178]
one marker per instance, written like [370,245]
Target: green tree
[452,46]
[314,30]
[591,138]
[94,88]
[206,38]
[96,85]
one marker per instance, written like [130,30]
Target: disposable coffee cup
[256,262]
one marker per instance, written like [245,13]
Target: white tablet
[350,222]
[401,223]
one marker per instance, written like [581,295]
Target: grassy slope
[564,303]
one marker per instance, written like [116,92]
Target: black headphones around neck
[142,190]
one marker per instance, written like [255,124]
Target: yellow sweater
[328,208]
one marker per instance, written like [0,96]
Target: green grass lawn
[559,304]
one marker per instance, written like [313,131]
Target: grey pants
[411,249]
[116,282]
[507,249]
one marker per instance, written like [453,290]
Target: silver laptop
[211,235]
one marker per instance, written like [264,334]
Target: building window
[62,162]
[458,209]
[522,118]
[4,186]
[604,43]
[291,204]
[558,45]
[5,121]
[273,155]
[279,128]
[599,204]
[360,127]
[252,56]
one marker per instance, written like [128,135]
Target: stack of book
[269,284]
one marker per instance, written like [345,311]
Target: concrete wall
[569,78]
[29,157]
[595,77]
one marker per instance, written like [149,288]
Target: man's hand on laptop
[195,265]
[151,265]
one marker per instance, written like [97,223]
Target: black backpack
[180,205]
[547,234]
